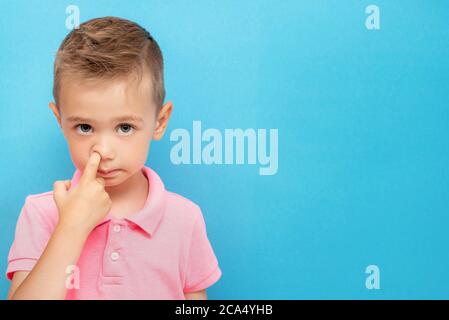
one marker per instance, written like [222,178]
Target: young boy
[113,231]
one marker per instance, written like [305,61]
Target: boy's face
[89,116]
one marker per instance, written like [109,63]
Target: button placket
[113,251]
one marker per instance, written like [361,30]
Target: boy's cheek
[77,158]
[79,153]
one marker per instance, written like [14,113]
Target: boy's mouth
[108,173]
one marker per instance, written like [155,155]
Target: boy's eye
[125,127]
[83,127]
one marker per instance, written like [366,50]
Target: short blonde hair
[108,48]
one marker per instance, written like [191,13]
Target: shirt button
[114,256]
[116,228]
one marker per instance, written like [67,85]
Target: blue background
[363,136]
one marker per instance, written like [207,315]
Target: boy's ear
[54,108]
[162,120]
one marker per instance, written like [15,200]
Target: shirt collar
[149,217]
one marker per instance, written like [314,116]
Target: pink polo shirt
[159,252]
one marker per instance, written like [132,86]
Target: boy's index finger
[90,171]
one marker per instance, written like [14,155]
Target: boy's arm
[48,278]
[80,210]
[198,295]
[16,280]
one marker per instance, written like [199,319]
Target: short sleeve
[31,236]
[202,268]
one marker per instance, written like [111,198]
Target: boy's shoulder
[43,200]
[175,204]
[181,206]
[174,199]
[41,206]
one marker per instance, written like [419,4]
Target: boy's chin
[112,182]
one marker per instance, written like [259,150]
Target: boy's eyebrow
[121,118]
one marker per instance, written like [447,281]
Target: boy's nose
[105,151]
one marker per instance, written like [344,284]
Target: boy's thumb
[59,188]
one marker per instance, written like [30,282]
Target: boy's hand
[84,206]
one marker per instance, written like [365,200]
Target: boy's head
[107,70]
